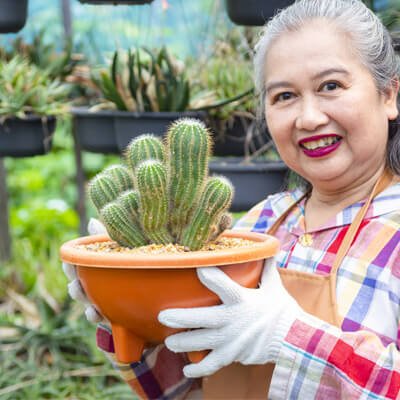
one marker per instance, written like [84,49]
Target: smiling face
[325,114]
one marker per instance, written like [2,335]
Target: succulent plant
[26,89]
[164,194]
[144,80]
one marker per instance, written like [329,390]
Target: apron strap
[383,182]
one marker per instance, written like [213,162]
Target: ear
[390,99]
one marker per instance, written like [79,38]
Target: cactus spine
[102,190]
[215,199]
[120,227]
[151,182]
[144,147]
[129,200]
[164,195]
[121,176]
[188,149]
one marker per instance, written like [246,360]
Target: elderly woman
[325,320]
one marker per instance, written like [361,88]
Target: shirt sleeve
[158,375]
[318,360]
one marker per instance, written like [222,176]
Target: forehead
[317,46]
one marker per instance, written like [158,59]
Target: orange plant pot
[131,289]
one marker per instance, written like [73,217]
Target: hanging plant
[13,15]
[29,103]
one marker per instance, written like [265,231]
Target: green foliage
[227,76]
[48,353]
[172,200]
[57,64]
[26,89]
[144,80]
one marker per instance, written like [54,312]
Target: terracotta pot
[131,289]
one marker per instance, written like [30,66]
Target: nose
[311,116]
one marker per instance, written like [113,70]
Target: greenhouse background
[47,348]
[98,30]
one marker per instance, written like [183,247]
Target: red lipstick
[320,151]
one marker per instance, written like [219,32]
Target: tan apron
[315,293]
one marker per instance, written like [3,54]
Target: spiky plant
[164,194]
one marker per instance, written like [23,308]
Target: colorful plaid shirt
[317,360]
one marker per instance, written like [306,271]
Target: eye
[330,86]
[283,96]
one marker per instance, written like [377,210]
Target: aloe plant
[164,195]
[144,80]
[26,89]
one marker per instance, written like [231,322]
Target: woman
[326,324]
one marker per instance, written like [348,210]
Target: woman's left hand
[249,326]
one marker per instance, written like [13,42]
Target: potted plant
[244,149]
[143,91]
[227,74]
[166,218]
[13,15]
[253,12]
[29,103]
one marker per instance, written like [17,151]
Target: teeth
[315,144]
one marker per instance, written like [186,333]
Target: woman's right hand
[75,288]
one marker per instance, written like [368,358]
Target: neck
[324,204]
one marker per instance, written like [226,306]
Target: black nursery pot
[253,12]
[253,182]
[13,15]
[230,138]
[95,130]
[26,137]
[129,125]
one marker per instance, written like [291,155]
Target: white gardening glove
[75,289]
[249,326]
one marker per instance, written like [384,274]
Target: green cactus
[120,227]
[188,150]
[142,148]
[121,176]
[164,195]
[130,202]
[215,199]
[102,189]
[151,182]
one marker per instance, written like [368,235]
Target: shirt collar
[385,202]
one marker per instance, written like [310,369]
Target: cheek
[280,129]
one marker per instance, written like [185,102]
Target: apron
[315,293]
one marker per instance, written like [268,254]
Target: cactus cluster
[164,194]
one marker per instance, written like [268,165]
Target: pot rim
[267,246]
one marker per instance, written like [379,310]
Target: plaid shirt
[317,360]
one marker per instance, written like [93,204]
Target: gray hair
[370,39]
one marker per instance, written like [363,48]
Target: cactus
[151,182]
[164,195]
[120,227]
[130,202]
[144,147]
[102,190]
[224,223]
[121,176]
[188,149]
[215,199]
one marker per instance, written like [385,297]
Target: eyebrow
[319,75]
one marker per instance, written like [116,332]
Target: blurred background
[47,348]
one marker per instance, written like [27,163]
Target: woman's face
[324,112]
